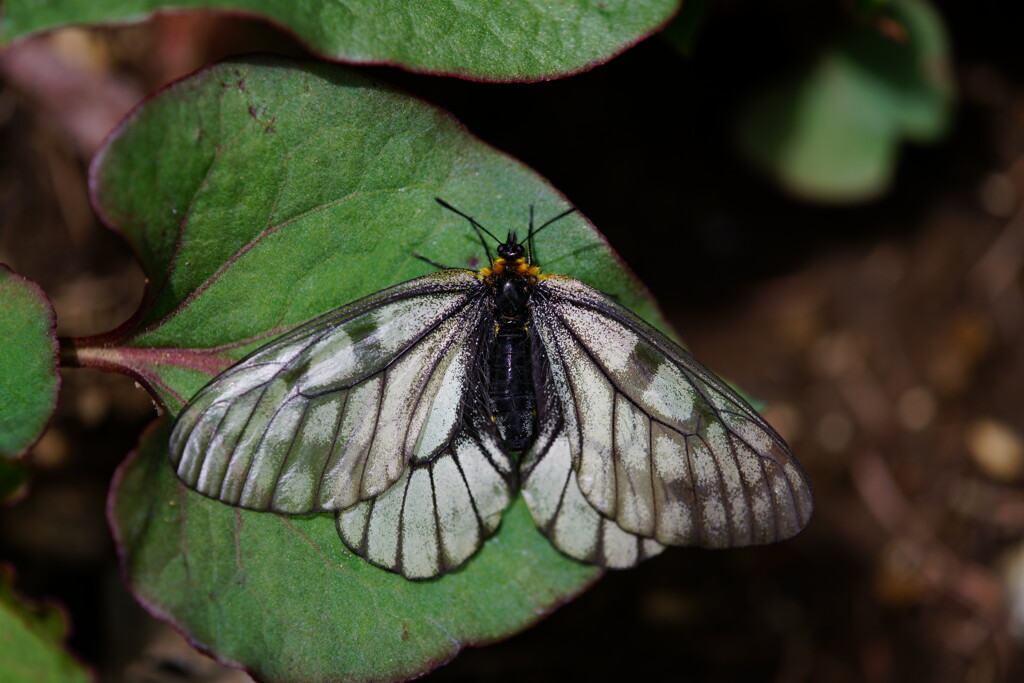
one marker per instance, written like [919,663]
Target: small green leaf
[29,380]
[30,640]
[513,40]
[258,195]
[833,134]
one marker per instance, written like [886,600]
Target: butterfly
[417,414]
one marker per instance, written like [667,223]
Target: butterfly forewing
[658,444]
[330,413]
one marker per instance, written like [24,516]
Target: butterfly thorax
[510,374]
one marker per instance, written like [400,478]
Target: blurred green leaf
[259,194]
[833,134]
[13,477]
[514,40]
[29,380]
[682,31]
[30,641]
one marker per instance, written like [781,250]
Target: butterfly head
[511,249]
[512,260]
[514,256]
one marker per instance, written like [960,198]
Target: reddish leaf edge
[55,357]
[367,61]
[158,613]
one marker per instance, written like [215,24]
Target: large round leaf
[513,40]
[258,195]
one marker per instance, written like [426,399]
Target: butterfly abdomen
[510,386]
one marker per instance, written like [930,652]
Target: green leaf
[258,195]
[513,40]
[29,380]
[833,134]
[30,639]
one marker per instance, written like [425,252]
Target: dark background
[885,338]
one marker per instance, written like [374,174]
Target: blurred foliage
[682,32]
[13,476]
[30,638]
[832,133]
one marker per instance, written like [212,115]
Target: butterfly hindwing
[332,412]
[658,445]
[442,510]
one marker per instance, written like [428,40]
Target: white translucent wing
[658,444]
[330,413]
[440,512]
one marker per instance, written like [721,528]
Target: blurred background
[827,206]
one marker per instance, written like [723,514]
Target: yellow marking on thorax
[524,268]
[518,267]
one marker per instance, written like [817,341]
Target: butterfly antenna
[533,233]
[552,220]
[529,239]
[480,230]
[431,261]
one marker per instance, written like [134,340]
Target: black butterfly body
[400,413]
[511,384]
